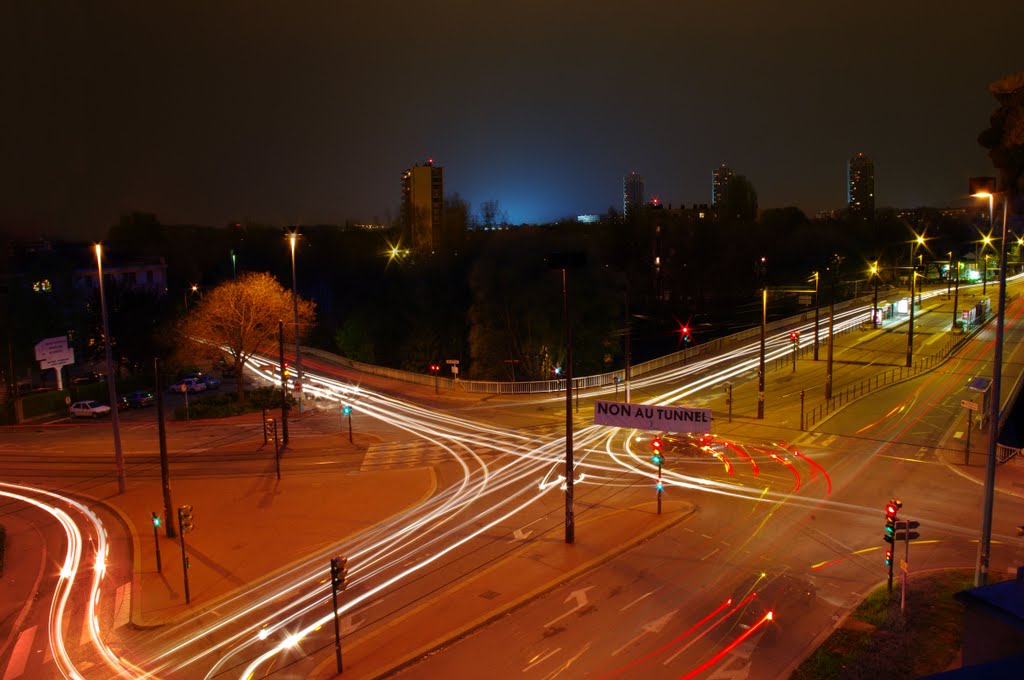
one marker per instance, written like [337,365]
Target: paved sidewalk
[249,527]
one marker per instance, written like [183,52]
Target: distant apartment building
[721,177]
[423,205]
[142,273]
[633,198]
[860,186]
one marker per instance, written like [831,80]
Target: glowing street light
[292,238]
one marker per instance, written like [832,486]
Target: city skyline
[281,116]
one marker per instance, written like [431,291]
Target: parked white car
[89,409]
[190,385]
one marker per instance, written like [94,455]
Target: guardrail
[590,381]
[1005,453]
[895,375]
[890,377]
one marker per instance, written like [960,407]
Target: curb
[686,509]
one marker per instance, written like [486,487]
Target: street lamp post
[292,236]
[122,483]
[874,306]
[816,308]
[956,296]
[949,275]
[760,364]
[985,544]
[910,326]
[831,328]
[984,276]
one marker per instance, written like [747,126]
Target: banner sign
[651,417]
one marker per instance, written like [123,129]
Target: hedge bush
[226,404]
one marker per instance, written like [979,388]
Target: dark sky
[307,112]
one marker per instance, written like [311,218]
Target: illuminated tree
[240,317]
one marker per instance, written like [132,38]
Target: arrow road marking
[581,601]
[655,626]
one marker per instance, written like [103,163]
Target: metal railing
[890,377]
[1005,453]
[590,381]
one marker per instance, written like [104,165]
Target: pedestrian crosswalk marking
[410,454]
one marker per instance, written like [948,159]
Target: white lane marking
[537,659]
[710,554]
[644,596]
[19,657]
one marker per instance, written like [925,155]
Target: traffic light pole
[165,471]
[184,557]
[570,523]
[659,486]
[337,625]
[156,541]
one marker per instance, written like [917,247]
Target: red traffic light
[656,443]
[794,335]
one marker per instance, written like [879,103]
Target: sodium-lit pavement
[425,536]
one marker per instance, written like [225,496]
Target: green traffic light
[347,410]
[656,459]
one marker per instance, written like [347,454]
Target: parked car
[190,385]
[212,383]
[85,378]
[140,398]
[89,409]
[122,403]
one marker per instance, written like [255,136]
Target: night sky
[307,112]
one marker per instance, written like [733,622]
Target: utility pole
[817,307]
[910,326]
[831,328]
[284,383]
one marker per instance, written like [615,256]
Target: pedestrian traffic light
[656,456]
[686,334]
[660,485]
[346,409]
[794,335]
[339,573]
[185,519]
[156,520]
[888,558]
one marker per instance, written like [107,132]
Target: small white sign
[58,361]
[453,362]
[969,405]
[651,417]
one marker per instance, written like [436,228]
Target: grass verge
[879,641]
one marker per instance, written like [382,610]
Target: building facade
[860,186]
[633,197]
[423,205]
[721,177]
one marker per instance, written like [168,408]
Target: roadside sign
[452,362]
[804,300]
[455,370]
[652,417]
[51,347]
[56,361]
[969,405]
